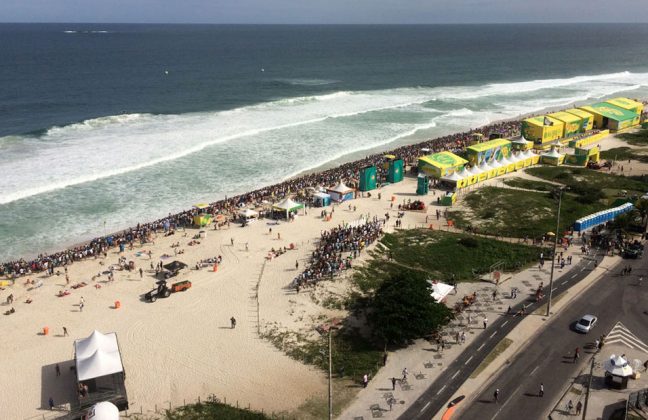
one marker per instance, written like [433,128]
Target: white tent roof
[496,164]
[463,173]
[248,213]
[475,170]
[96,341]
[454,177]
[322,195]
[521,140]
[101,363]
[529,153]
[552,153]
[617,366]
[485,166]
[288,204]
[439,290]
[341,188]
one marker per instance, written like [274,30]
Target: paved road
[444,388]
[547,358]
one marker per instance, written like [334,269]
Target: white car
[586,323]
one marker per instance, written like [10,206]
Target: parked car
[586,323]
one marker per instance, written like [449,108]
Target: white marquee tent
[97,356]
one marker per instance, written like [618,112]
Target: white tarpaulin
[248,213]
[439,290]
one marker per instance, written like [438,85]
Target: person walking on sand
[405,373]
[81,304]
[232,322]
[393,381]
[485,322]
[65,332]
[141,272]
[296,265]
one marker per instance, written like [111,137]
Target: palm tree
[642,207]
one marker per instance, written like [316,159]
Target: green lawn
[516,213]
[441,255]
[529,184]
[640,138]
[625,153]
[587,182]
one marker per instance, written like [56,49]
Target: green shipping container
[395,171]
[368,178]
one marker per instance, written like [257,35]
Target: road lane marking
[554,289]
[455,375]
[440,389]
[425,406]
[469,359]
[480,347]
[565,282]
[534,369]
[575,274]
[491,336]
[505,322]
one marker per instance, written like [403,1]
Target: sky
[324,11]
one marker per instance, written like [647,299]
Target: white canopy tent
[87,346]
[341,192]
[97,356]
[248,214]
[453,177]
[103,411]
[288,205]
[553,153]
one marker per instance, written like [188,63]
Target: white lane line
[440,389]
[575,274]
[455,375]
[469,359]
[554,289]
[425,406]
[534,369]
[480,347]
[504,323]
[491,336]
[565,282]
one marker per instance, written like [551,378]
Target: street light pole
[589,386]
[330,375]
[553,257]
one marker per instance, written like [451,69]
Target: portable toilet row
[601,217]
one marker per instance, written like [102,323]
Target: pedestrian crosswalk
[621,334]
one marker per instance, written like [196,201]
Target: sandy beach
[180,348]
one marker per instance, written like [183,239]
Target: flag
[547,121]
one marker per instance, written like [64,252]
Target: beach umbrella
[201,206]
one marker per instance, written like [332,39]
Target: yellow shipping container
[572,123]
[535,129]
[586,119]
[629,104]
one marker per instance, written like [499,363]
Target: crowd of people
[329,257]
[348,173]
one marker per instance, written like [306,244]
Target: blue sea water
[125,123]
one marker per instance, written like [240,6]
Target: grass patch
[639,138]
[529,184]
[586,182]
[213,409]
[494,354]
[441,255]
[625,153]
[316,408]
[516,213]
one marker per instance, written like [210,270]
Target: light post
[330,371]
[553,257]
[589,385]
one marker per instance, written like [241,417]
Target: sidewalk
[425,361]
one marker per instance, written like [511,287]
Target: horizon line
[319,24]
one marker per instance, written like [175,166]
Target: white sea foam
[116,145]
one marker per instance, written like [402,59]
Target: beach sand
[180,348]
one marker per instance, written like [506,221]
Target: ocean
[104,126]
